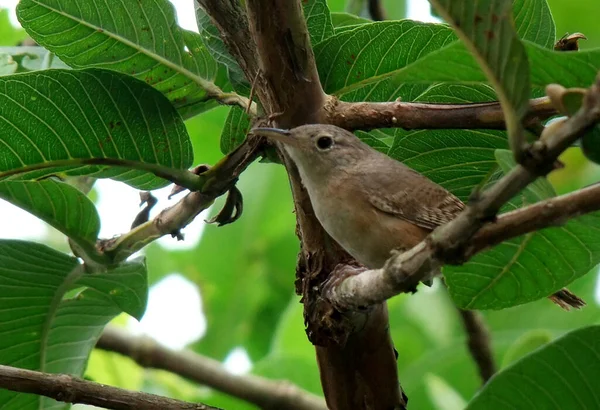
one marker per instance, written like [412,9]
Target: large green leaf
[61,205]
[531,266]
[562,375]
[52,311]
[138,38]
[53,121]
[352,67]
[455,64]
[534,22]
[318,20]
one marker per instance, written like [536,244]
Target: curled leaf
[146,199]
[232,210]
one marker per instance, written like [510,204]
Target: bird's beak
[277,134]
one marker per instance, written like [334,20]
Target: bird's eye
[324,142]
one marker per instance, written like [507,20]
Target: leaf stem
[181,177]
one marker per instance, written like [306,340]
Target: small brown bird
[368,202]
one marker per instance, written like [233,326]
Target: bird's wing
[413,198]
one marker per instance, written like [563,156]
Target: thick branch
[264,393]
[411,115]
[478,341]
[448,243]
[295,96]
[69,389]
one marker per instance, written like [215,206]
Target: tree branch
[412,115]
[355,354]
[219,179]
[294,94]
[376,10]
[449,243]
[478,341]
[264,393]
[551,212]
[70,389]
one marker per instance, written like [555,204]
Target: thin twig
[449,243]
[551,212]
[266,394]
[412,115]
[70,389]
[478,341]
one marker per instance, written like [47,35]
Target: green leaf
[455,64]
[59,204]
[47,321]
[561,375]
[531,266]
[9,35]
[318,20]
[534,22]
[235,129]
[487,29]
[140,39]
[351,67]
[54,121]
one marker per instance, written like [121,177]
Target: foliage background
[245,275]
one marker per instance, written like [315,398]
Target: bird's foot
[340,273]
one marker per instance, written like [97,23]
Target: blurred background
[228,292]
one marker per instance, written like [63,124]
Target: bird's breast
[366,233]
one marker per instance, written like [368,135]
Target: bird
[368,202]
